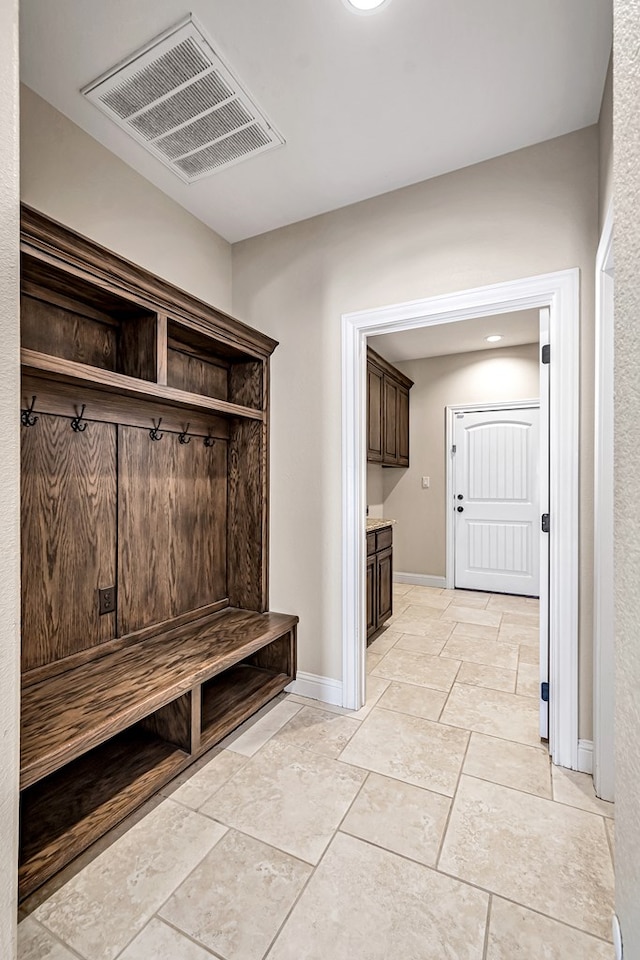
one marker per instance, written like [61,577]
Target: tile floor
[427,825]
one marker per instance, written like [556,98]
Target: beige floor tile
[482,618]
[36,943]
[416,701]
[364,903]
[159,941]
[475,630]
[102,908]
[375,688]
[372,660]
[577,790]
[483,675]
[516,933]
[519,633]
[510,604]
[417,592]
[399,607]
[493,712]
[399,817]
[611,834]
[399,589]
[521,618]
[417,751]
[384,642]
[434,598]
[237,898]
[425,645]
[427,627]
[417,668]
[417,612]
[476,650]
[467,598]
[252,735]
[193,790]
[292,799]
[546,856]
[528,683]
[511,764]
[530,653]
[318,730]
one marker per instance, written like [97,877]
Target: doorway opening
[559,293]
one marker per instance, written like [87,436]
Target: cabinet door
[403,427]
[390,422]
[384,578]
[372,624]
[374,414]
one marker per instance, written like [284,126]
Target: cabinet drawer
[371,543]
[384,539]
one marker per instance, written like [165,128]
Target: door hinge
[545,522]
[453,448]
[544,692]
[546,353]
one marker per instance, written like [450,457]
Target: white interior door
[496,501]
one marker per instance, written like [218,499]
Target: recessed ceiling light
[365,6]
[493,338]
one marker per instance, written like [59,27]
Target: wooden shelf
[67,371]
[235,695]
[71,809]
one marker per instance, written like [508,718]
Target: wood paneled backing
[195,375]
[55,330]
[278,657]
[138,347]
[247,517]
[68,537]
[62,815]
[172,519]
[65,400]
[248,384]
[178,722]
[67,715]
[235,695]
[66,371]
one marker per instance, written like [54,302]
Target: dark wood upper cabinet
[387,413]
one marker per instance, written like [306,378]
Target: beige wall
[526,213]
[9,477]
[375,489]
[68,175]
[627,468]
[512,373]
[605,131]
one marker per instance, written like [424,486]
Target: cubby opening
[196,364]
[65,316]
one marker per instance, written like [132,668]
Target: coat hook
[26,417]
[184,436]
[209,441]
[155,433]
[77,424]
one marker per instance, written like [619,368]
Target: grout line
[453,800]
[486,929]
[187,936]
[55,937]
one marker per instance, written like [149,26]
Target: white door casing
[560,293]
[496,500]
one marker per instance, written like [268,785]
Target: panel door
[403,427]
[496,501]
[374,414]
[371,596]
[390,421]
[384,584]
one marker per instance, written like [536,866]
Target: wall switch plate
[107,598]
[425,482]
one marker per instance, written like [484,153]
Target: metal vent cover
[179,100]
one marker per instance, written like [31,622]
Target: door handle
[460,509]
[460,496]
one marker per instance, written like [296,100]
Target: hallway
[427,825]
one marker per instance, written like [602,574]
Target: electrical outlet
[107,598]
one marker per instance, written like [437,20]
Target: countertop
[377,523]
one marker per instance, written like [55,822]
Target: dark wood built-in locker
[146,635]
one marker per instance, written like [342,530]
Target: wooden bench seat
[65,716]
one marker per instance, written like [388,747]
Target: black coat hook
[209,441]
[155,433]
[77,424]
[26,417]
[184,436]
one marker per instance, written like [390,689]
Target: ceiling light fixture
[365,6]
[493,338]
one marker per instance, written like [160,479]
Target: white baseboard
[585,756]
[420,580]
[317,688]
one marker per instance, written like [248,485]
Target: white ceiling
[366,104]
[463,336]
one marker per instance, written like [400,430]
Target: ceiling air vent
[178,99]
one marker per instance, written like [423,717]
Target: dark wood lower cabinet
[379,579]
